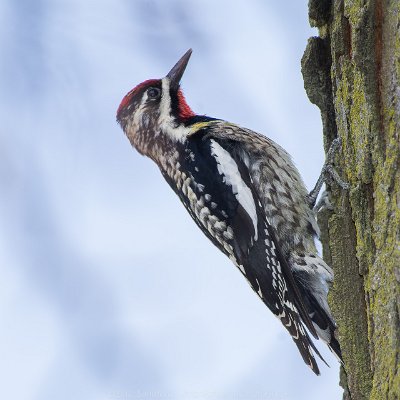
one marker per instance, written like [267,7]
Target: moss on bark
[352,73]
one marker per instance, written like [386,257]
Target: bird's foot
[328,174]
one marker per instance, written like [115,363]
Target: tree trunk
[352,73]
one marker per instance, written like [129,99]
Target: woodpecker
[244,192]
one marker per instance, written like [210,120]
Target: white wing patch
[229,169]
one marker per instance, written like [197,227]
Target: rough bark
[352,73]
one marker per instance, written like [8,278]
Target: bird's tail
[324,325]
[291,320]
[314,277]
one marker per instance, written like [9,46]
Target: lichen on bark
[352,73]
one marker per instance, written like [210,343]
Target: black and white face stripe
[165,103]
[177,133]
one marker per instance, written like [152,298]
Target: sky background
[108,290]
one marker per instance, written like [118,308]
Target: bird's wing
[219,194]
[236,140]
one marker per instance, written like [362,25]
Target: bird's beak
[175,75]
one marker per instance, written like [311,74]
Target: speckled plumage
[246,195]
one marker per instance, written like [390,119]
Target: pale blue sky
[108,290]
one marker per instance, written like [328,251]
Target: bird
[246,195]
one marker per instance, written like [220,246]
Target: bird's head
[156,110]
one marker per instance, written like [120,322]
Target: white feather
[229,169]
[177,133]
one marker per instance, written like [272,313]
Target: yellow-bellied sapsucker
[248,198]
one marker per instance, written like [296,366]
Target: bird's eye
[153,93]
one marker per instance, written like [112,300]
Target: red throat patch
[184,110]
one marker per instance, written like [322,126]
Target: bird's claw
[328,174]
